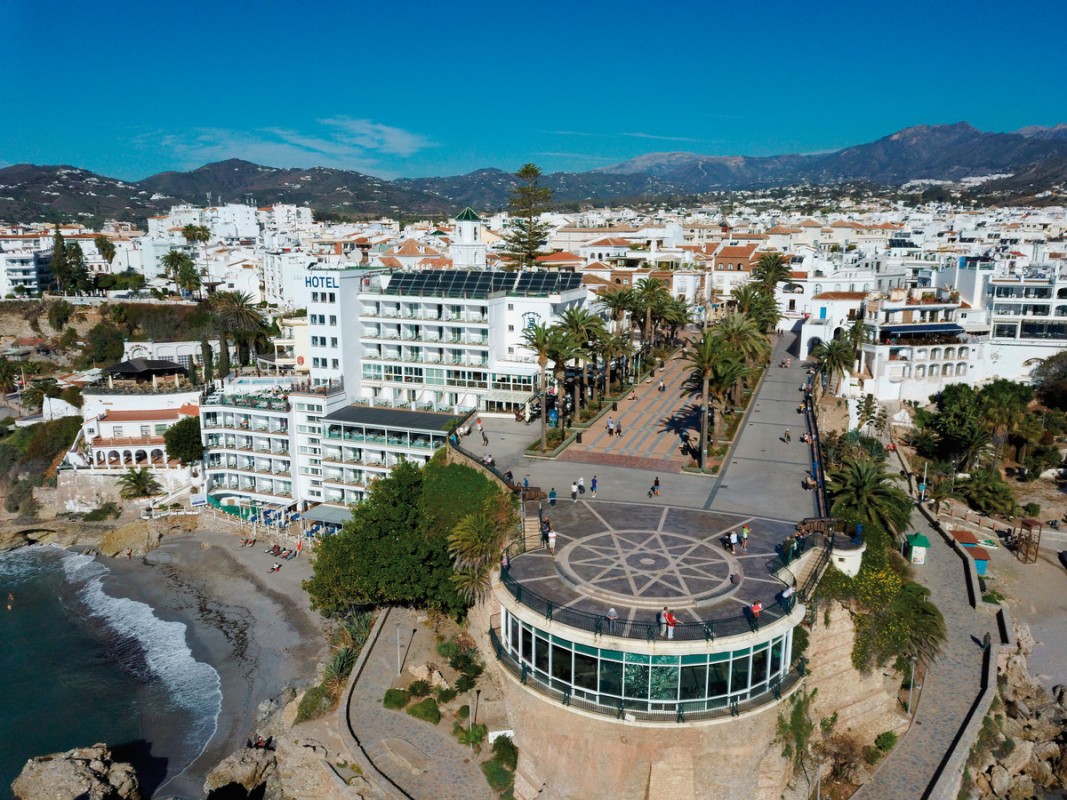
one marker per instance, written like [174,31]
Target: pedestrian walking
[593,486]
[581,484]
[788,437]
[611,427]
[745,531]
[662,387]
[546,526]
[552,542]
[478,425]
[485,440]
[552,497]
[655,486]
[733,541]
[574,492]
[671,622]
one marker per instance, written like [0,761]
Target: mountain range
[1034,158]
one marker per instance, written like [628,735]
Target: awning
[332,514]
[948,328]
[918,540]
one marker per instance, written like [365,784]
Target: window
[336,364]
[160,430]
[333,319]
[118,431]
[511,329]
[314,297]
[146,430]
[333,341]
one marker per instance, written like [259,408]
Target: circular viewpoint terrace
[582,625]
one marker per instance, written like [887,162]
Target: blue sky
[416,89]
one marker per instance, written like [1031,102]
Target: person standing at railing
[671,622]
[613,619]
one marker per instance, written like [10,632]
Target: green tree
[1050,381]
[60,270]
[647,295]
[770,270]
[834,360]
[78,279]
[9,374]
[925,629]
[235,313]
[476,545]
[583,326]
[59,314]
[207,359]
[136,483]
[526,234]
[986,492]
[183,440]
[538,338]
[174,263]
[702,358]
[863,491]
[617,302]
[104,344]
[105,247]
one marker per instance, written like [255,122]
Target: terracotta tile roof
[810,223]
[779,230]
[389,261]
[562,257]
[611,241]
[595,280]
[127,441]
[840,296]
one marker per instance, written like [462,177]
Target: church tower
[468,249]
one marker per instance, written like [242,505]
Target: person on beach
[593,486]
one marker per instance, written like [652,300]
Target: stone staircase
[531,532]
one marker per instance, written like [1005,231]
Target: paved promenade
[653,426]
[423,760]
[765,474]
[952,682]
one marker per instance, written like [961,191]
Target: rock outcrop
[86,773]
[1025,753]
[248,768]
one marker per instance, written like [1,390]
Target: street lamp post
[398,647]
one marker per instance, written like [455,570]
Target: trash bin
[578,438]
[614,406]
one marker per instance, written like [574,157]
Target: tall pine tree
[60,270]
[78,273]
[527,234]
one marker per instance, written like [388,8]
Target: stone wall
[81,490]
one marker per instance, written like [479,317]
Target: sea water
[80,666]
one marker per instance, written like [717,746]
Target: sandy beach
[254,627]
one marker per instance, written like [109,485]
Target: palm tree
[583,327]
[174,264]
[138,483]
[617,303]
[647,295]
[611,348]
[863,491]
[561,349]
[742,335]
[746,297]
[676,314]
[105,247]
[8,376]
[702,358]
[539,338]
[925,631]
[727,373]
[476,545]
[235,312]
[834,358]
[855,338]
[770,270]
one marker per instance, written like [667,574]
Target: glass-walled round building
[651,619]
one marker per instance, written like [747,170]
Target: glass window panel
[759,667]
[527,645]
[776,657]
[561,664]
[514,643]
[698,658]
[636,658]
[611,678]
[718,657]
[718,679]
[585,668]
[739,675]
[664,660]
[541,655]
[694,682]
[612,654]
[636,682]
[664,683]
[581,648]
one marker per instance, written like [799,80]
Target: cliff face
[86,773]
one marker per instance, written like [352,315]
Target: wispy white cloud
[640,135]
[582,133]
[339,142]
[585,156]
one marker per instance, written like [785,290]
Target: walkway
[423,760]
[765,475]
[653,426]
[952,682]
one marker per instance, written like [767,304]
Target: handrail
[646,630]
[819,475]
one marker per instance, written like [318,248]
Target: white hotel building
[395,358]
